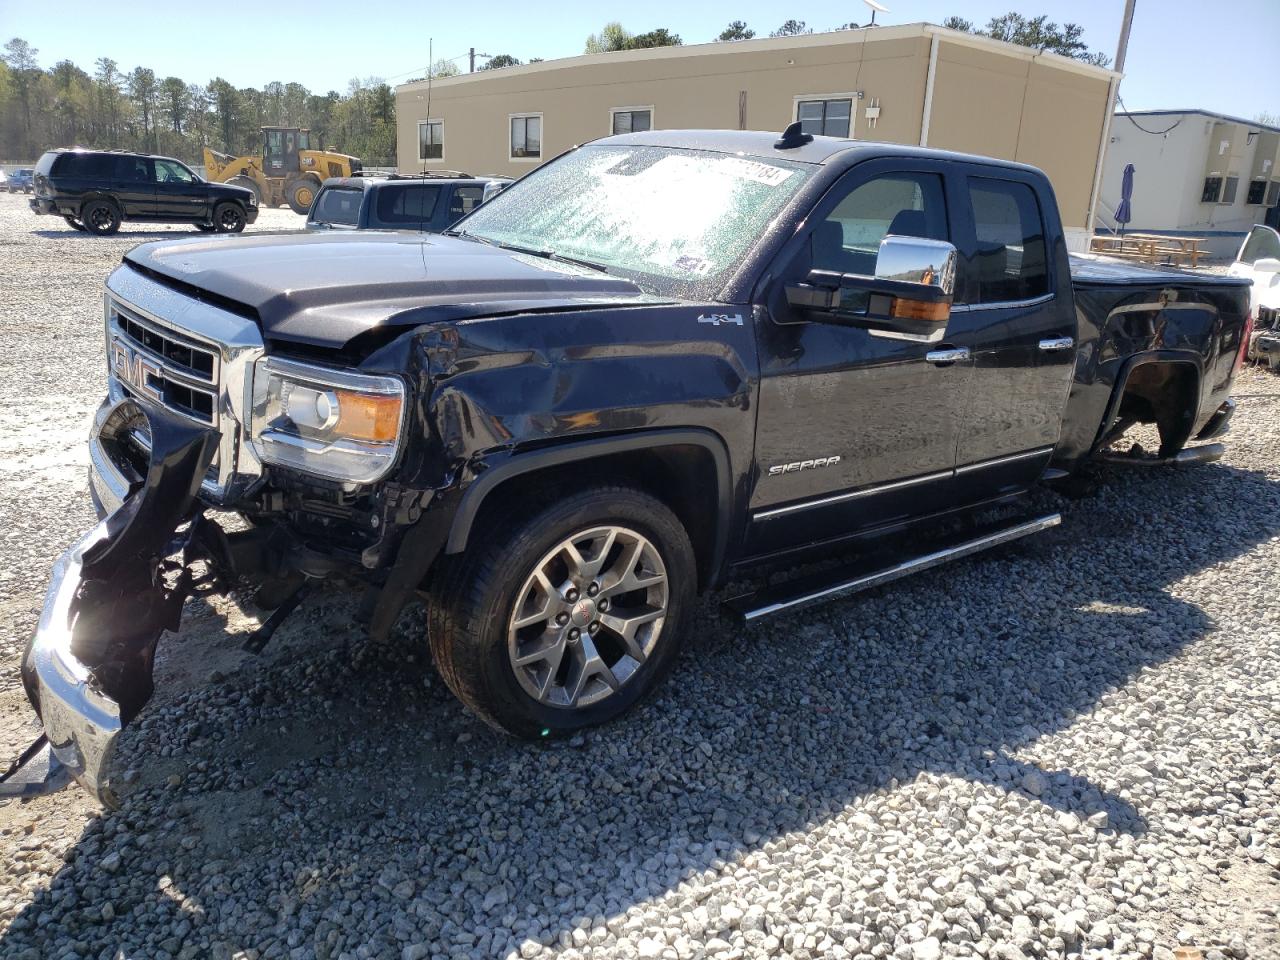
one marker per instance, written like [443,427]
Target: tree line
[1040,32]
[133,109]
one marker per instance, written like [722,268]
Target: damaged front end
[88,668]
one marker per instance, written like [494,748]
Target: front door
[1019,330]
[856,428]
[134,185]
[179,195]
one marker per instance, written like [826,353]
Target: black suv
[431,203]
[97,190]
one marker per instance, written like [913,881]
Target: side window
[905,204]
[1262,242]
[409,205]
[169,172]
[1011,258]
[134,170]
[465,199]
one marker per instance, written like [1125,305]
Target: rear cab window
[337,205]
[1011,261]
[401,206]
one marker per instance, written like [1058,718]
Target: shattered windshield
[675,221]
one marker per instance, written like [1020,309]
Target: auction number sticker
[757,172]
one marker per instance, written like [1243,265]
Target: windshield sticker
[691,264]
[753,170]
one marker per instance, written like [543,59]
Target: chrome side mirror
[909,296]
[915,260]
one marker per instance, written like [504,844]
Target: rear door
[1017,322]
[179,194]
[856,428]
[134,186]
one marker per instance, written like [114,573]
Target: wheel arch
[686,468]
[1158,367]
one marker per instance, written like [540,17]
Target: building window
[431,140]
[1229,189]
[1273,193]
[526,137]
[825,117]
[1212,189]
[1257,192]
[631,119]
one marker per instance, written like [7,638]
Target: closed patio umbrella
[1124,212]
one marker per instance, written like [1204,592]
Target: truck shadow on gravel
[331,795]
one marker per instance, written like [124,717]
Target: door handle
[1054,344]
[944,358]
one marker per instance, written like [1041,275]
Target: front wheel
[563,618]
[228,218]
[301,193]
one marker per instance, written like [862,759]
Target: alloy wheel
[588,617]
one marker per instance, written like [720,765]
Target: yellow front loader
[288,171]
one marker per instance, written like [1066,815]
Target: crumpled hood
[325,289]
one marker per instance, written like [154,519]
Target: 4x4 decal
[715,319]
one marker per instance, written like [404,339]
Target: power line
[1154,133]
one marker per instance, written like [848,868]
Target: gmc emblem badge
[137,371]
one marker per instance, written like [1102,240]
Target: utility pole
[473,55]
[1113,88]
[1123,47]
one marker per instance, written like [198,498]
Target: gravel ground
[1064,748]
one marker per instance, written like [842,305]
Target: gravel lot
[1069,747]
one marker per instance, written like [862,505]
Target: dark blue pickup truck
[649,365]
[430,203]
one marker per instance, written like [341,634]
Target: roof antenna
[792,137]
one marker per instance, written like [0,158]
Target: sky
[1181,53]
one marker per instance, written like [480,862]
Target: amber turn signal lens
[936,311]
[367,416]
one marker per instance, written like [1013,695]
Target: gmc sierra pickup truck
[650,364]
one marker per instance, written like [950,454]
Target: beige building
[918,84]
[1195,172]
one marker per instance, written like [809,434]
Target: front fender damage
[88,668]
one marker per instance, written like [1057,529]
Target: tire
[228,218]
[75,224]
[248,184]
[101,217]
[472,611]
[301,193]
[205,227]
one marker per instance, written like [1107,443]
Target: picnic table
[1151,248]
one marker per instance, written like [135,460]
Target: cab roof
[820,150]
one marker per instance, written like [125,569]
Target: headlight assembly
[330,423]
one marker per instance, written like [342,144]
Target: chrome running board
[863,575]
[1187,456]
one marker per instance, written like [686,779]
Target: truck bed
[1124,310]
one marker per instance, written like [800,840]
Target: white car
[1259,260]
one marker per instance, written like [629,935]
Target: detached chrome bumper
[80,722]
[87,670]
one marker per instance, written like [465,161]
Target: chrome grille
[154,362]
[194,360]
